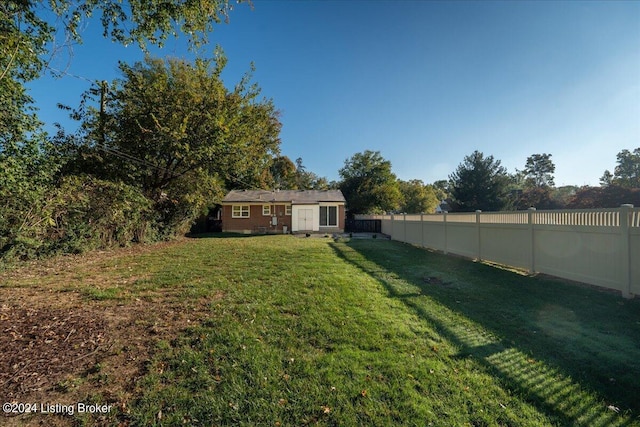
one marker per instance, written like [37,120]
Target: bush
[81,213]
[611,196]
[42,214]
[90,213]
[26,182]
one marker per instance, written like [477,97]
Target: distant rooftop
[282,196]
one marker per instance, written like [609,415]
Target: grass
[368,332]
[571,351]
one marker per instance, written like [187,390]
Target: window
[266,210]
[240,211]
[328,216]
[287,210]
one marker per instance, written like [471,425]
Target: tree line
[481,183]
[153,148]
[158,146]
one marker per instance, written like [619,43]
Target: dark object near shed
[363,225]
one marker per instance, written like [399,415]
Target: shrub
[90,213]
[81,213]
[26,182]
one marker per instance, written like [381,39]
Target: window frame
[328,216]
[288,210]
[266,210]
[238,211]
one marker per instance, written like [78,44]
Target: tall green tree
[27,29]
[441,188]
[538,171]
[534,186]
[307,180]
[537,197]
[26,169]
[368,184]
[479,183]
[23,40]
[28,181]
[417,197]
[627,172]
[304,178]
[172,129]
[606,178]
[283,171]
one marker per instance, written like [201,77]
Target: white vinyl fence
[598,246]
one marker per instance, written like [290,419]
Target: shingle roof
[291,196]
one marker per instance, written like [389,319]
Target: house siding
[256,223]
[304,205]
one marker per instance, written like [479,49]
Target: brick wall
[256,223]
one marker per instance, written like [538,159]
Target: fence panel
[506,244]
[634,255]
[582,253]
[398,228]
[462,239]
[433,234]
[634,251]
[596,246]
[413,230]
[387,227]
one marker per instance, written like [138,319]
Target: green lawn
[371,332]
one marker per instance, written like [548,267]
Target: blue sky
[424,82]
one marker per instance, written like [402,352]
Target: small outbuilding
[283,211]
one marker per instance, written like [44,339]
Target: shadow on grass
[222,235]
[572,351]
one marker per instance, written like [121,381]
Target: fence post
[532,265]
[445,232]
[404,226]
[479,252]
[625,240]
[422,229]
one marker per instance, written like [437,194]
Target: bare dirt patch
[58,347]
[433,280]
[40,344]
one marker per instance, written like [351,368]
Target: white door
[305,219]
